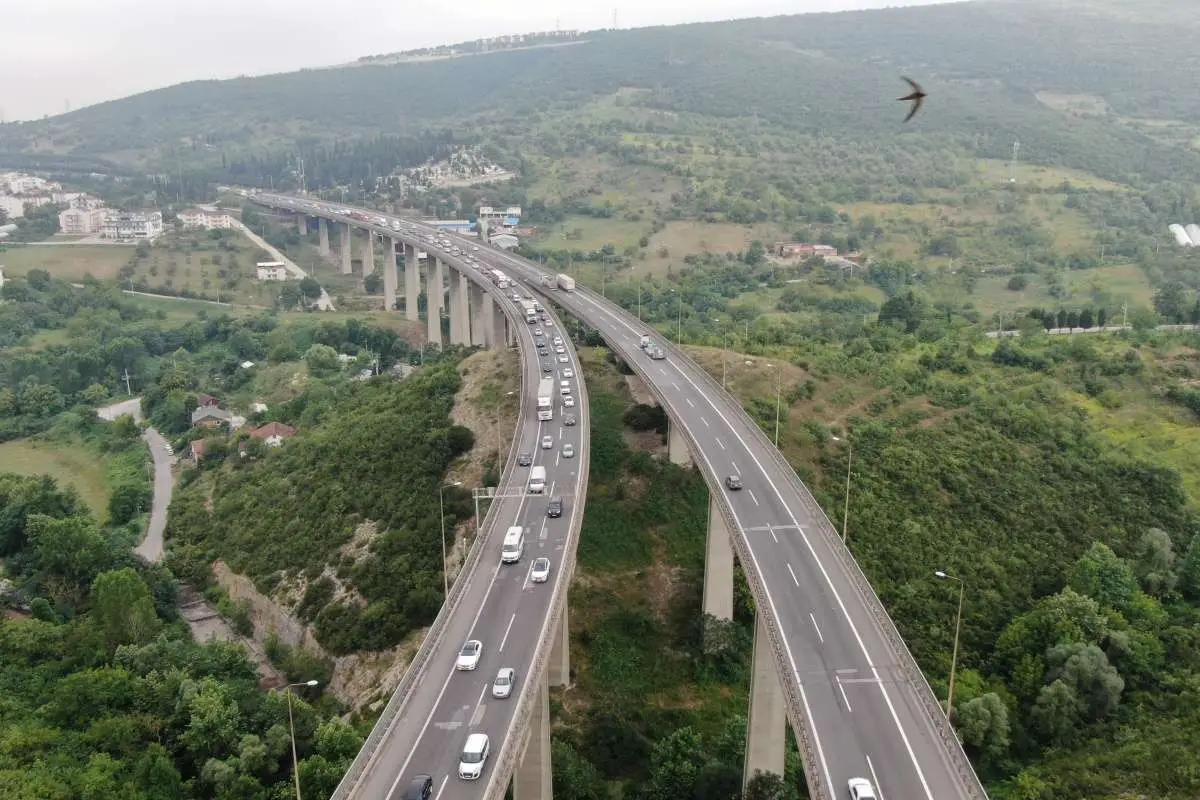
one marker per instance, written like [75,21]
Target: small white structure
[1181,237]
[271,271]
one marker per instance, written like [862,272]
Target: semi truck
[545,399]
[566,283]
[530,310]
[546,280]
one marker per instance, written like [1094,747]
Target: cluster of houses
[209,415]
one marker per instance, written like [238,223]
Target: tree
[1189,570]
[768,786]
[1017,282]
[675,766]
[983,724]
[309,287]
[127,501]
[575,777]
[1085,318]
[372,284]
[1084,667]
[1171,301]
[1101,318]
[322,359]
[1155,562]
[1101,575]
[289,296]
[123,609]
[1055,715]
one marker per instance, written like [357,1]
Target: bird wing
[916,87]
[916,106]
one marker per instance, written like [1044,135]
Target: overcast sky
[78,52]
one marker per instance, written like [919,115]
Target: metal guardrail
[417,667]
[887,627]
[512,748]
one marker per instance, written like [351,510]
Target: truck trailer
[566,283]
[545,399]
[530,311]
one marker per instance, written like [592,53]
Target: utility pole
[128,391]
[1124,315]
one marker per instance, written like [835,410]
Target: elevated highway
[827,658]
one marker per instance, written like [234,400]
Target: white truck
[530,311]
[545,399]
[537,480]
[566,283]
[644,342]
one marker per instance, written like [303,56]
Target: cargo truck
[545,400]
[546,280]
[566,283]
[537,480]
[530,311]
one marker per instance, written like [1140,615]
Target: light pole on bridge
[962,586]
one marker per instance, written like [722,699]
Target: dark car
[547,367]
[733,482]
[555,507]
[568,420]
[524,459]
[420,789]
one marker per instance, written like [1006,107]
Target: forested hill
[824,74]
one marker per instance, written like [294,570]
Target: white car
[503,685]
[568,373]
[540,573]
[563,359]
[568,450]
[568,402]
[538,332]
[558,340]
[547,442]
[558,348]
[474,755]
[468,657]
[860,789]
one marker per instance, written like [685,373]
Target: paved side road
[151,547]
[324,302]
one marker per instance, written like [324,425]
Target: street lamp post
[957,630]
[442,515]
[724,350]
[679,322]
[846,502]
[778,396]
[292,728]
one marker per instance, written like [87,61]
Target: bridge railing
[417,668]
[887,627]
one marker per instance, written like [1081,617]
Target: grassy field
[201,264]
[69,262]
[68,466]
[1103,286]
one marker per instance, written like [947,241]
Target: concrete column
[412,283]
[346,255]
[389,273]
[766,726]
[462,307]
[323,235]
[456,336]
[368,252]
[478,335]
[499,327]
[677,448]
[439,283]
[489,321]
[433,306]
[559,673]
[302,224]
[532,779]
[718,565]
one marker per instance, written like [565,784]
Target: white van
[514,545]
[537,480]
[474,755]
[564,387]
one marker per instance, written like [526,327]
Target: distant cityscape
[83,214]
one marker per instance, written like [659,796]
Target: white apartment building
[207,218]
[81,220]
[20,183]
[131,225]
[272,271]
[14,205]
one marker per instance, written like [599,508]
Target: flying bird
[917,97]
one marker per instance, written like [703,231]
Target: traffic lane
[509,633]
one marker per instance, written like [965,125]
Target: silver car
[540,572]
[568,450]
[547,442]
[503,685]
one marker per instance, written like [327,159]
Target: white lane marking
[735,468]
[480,708]
[795,580]
[722,444]
[838,679]
[441,786]
[506,631]
[771,530]
[689,402]
[816,628]
[676,385]
[874,777]
[436,703]
[702,419]
[557,458]
[480,700]
[752,497]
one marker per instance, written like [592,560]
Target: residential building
[14,205]
[196,450]
[272,271]
[20,183]
[210,417]
[128,226]
[803,249]
[208,218]
[207,400]
[81,220]
[273,433]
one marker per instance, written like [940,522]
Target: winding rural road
[151,547]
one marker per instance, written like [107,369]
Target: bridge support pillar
[434,289]
[499,327]
[532,779]
[478,337]
[559,673]
[323,235]
[677,448]
[345,245]
[412,283]
[460,315]
[389,273]
[368,252]
[302,224]
[718,565]
[766,726]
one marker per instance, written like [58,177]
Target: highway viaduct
[826,657]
